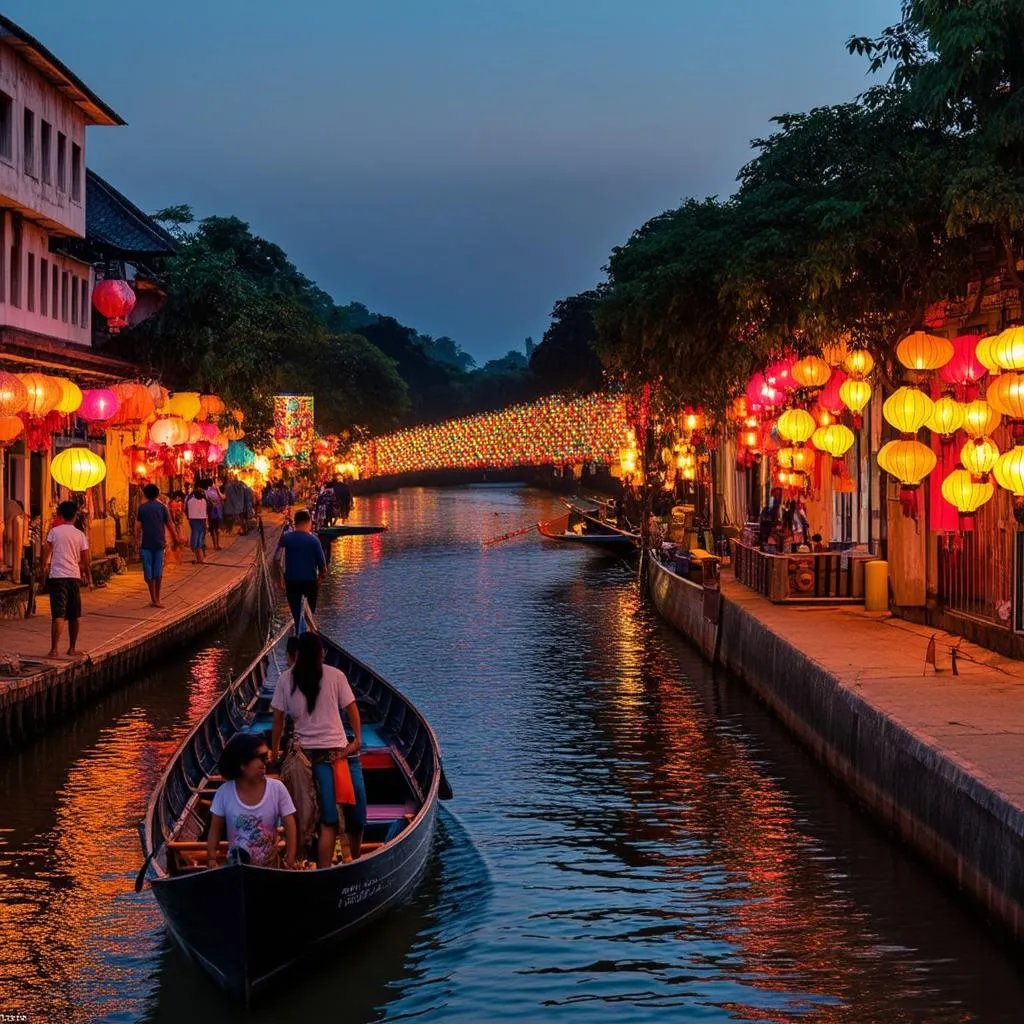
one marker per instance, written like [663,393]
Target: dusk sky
[457,164]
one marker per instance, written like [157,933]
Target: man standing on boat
[304,564]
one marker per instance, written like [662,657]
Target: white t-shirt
[195,508]
[68,543]
[322,730]
[253,827]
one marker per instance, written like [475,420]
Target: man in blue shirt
[304,564]
[152,524]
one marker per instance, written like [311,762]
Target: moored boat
[575,529]
[246,925]
[348,530]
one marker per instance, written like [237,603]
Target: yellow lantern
[910,462]
[883,456]
[855,394]
[966,495]
[77,469]
[10,430]
[185,404]
[796,425]
[1006,395]
[811,372]
[948,416]
[984,354]
[784,457]
[13,394]
[170,430]
[43,393]
[979,457]
[210,407]
[907,409]
[1007,349]
[859,363]
[923,351]
[70,396]
[835,439]
[1009,471]
[980,419]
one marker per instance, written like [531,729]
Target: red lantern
[964,369]
[828,397]
[115,300]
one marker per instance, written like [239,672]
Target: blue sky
[458,164]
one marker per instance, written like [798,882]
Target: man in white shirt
[66,563]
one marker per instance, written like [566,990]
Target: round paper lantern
[796,425]
[835,352]
[761,394]
[907,409]
[209,431]
[979,457]
[966,495]
[811,372]
[115,300]
[210,407]
[43,393]
[923,351]
[1007,349]
[983,353]
[882,458]
[835,439]
[980,419]
[195,434]
[855,394]
[964,368]
[859,363]
[70,396]
[1009,471]
[947,416]
[10,430]
[215,454]
[98,405]
[13,394]
[779,374]
[169,430]
[135,405]
[829,397]
[909,461]
[77,469]
[1006,395]
[185,404]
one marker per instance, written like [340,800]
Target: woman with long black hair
[313,695]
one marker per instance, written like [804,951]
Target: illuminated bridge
[551,431]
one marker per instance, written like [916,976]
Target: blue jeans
[198,533]
[355,814]
[152,563]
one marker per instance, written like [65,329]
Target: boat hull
[333,532]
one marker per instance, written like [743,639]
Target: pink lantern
[964,368]
[209,431]
[779,375]
[98,405]
[761,394]
[828,397]
[215,454]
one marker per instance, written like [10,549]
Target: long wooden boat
[247,925]
[572,529]
[345,530]
[594,515]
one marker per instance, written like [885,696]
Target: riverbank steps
[937,757]
[121,634]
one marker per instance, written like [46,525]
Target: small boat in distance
[576,528]
[247,925]
[329,533]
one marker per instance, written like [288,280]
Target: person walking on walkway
[304,564]
[66,563]
[216,510]
[197,511]
[234,504]
[152,525]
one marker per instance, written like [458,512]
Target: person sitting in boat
[250,805]
[342,498]
[313,695]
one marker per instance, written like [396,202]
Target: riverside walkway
[120,632]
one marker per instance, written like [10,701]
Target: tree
[565,359]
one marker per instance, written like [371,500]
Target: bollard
[876,586]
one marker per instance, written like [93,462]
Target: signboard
[293,426]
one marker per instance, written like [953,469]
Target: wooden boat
[595,515]
[246,925]
[574,529]
[346,530]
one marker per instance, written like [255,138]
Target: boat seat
[390,812]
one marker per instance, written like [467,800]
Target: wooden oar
[509,536]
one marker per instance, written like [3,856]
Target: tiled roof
[118,226]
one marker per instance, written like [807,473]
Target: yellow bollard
[876,586]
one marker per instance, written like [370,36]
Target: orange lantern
[811,372]
[859,363]
[13,394]
[1006,395]
[169,430]
[947,417]
[10,430]
[980,419]
[238,416]
[1009,471]
[136,405]
[985,355]
[835,439]
[43,393]
[1007,349]
[923,351]
[210,407]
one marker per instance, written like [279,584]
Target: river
[632,837]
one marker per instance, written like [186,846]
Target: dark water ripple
[631,838]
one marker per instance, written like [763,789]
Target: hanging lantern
[215,455]
[859,363]
[1007,349]
[10,430]
[834,439]
[907,409]
[796,425]
[169,430]
[43,394]
[980,419]
[70,396]
[946,418]
[802,459]
[137,460]
[13,394]
[922,351]
[829,397]
[882,458]
[210,407]
[195,433]
[835,352]
[979,457]
[779,374]
[115,300]
[983,352]
[208,431]
[909,461]
[135,405]
[1009,471]
[761,394]
[1006,395]
[855,394]
[964,369]
[811,372]
[238,416]
[98,406]
[77,469]
[185,404]
[966,495]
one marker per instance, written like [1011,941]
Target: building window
[44,287]
[74,300]
[3,256]
[45,152]
[6,126]
[28,143]
[64,296]
[15,294]
[30,283]
[76,172]
[62,167]
[54,280]
[84,306]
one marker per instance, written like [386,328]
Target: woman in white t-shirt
[250,805]
[197,510]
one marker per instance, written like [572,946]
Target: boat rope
[511,534]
